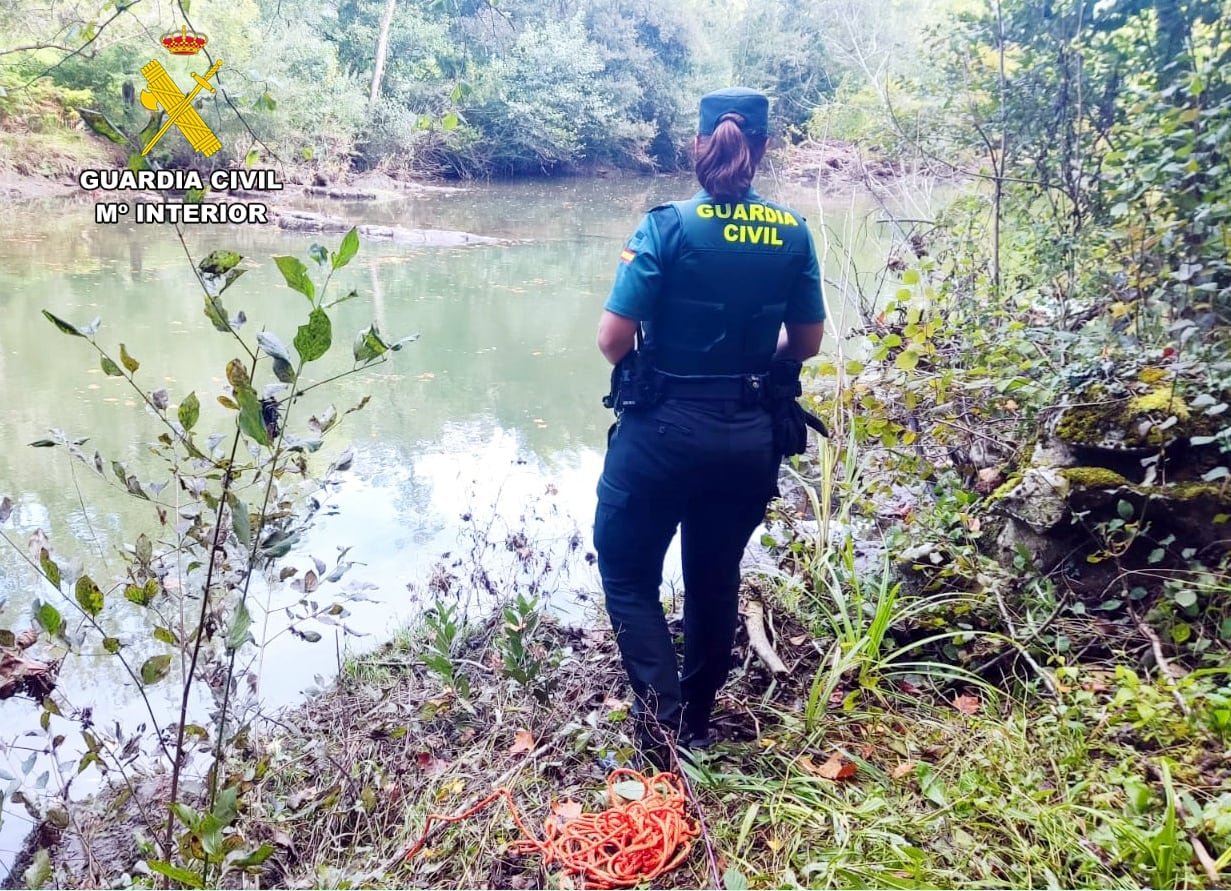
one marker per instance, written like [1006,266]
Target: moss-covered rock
[1160,400]
[1128,421]
[1094,478]
[1006,488]
[1037,499]
[1049,508]
[1188,491]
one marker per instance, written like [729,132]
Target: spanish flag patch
[627,256]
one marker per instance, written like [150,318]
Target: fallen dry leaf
[799,640]
[908,688]
[430,764]
[522,742]
[615,705]
[966,704]
[991,475]
[906,767]
[451,789]
[300,797]
[18,673]
[566,810]
[836,768]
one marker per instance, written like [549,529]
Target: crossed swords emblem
[178,106]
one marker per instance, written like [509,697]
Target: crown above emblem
[184,43]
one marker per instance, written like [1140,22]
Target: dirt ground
[15,186]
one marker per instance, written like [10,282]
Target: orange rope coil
[620,847]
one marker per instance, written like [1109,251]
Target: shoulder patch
[627,255]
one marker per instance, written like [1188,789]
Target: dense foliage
[470,88]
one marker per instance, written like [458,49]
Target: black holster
[635,384]
[791,420]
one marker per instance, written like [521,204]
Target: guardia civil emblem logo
[164,93]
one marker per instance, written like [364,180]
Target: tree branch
[98,32]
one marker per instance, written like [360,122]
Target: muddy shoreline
[836,165]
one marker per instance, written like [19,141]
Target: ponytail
[725,163]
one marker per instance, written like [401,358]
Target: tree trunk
[382,49]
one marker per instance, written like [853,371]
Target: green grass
[1017,800]
[1082,791]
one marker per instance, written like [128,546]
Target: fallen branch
[1165,668]
[500,781]
[711,858]
[754,621]
[1020,646]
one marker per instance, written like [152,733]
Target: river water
[487,426]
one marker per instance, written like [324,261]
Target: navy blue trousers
[710,469]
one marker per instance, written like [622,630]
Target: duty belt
[746,387]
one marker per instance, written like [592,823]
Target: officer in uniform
[716,302]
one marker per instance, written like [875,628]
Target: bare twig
[1165,669]
[227,96]
[711,858]
[1019,646]
[85,513]
[500,781]
[1021,649]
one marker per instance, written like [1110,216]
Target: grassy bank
[43,144]
[860,767]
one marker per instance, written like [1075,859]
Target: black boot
[655,741]
[695,734]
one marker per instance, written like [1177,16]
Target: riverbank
[822,775]
[903,742]
[38,166]
[860,765]
[846,770]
